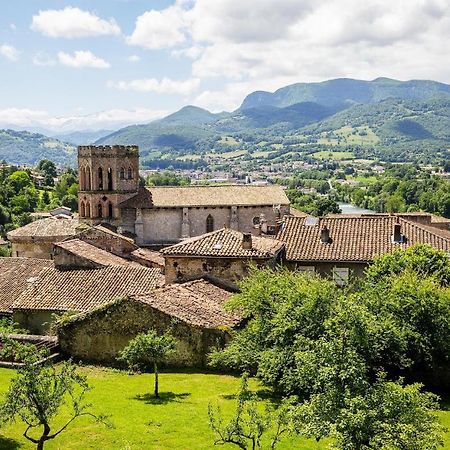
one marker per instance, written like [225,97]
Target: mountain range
[406,120]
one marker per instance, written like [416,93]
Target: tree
[39,392]
[48,169]
[147,349]
[249,423]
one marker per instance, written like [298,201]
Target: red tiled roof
[354,238]
[91,253]
[15,276]
[83,290]
[225,243]
[53,227]
[198,303]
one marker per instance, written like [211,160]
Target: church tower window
[130,173]
[122,174]
[82,210]
[100,179]
[110,210]
[99,210]
[209,223]
[110,180]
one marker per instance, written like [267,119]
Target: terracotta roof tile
[198,303]
[353,238]
[83,290]
[224,243]
[14,276]
[51,227]
[91,253]
[192,196]
[146,254]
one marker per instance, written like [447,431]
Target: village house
[110,192]
[36,239]
[15,276]
[341,246]
[192,312]
[57,290]
[223,255]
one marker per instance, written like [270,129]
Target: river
[348,208]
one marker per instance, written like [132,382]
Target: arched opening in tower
[100,178]
[110,179]
[99,210]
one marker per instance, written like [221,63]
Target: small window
[122,173]
[100,178]
[130,173]
[99,210]
[88,210]
[110,210]
[209,223]
[82,210]
[306,269]
[340,275]
[256,220]
[110,180]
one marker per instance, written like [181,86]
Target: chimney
[325,235]
[397,237]
[246,241]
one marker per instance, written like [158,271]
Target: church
[110,192]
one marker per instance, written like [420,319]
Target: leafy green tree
[19,180]
[147,349]
[48,169]
[39,392]
[249,423]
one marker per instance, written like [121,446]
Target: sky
[103,64]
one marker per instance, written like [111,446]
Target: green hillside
[22,147]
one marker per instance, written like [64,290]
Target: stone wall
[356,270]
[27,249]
[165,225]
[112,243]
[100,335]
[231,270]
[35,322]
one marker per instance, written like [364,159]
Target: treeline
[403,188]
[23,191]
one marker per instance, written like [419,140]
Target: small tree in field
[147,349]
[39,391]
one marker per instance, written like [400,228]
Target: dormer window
[397,236]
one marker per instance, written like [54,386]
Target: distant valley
[384,118]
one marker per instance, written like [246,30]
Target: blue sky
[82,64]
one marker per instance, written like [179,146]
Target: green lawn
[178,421]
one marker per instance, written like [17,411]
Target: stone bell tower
[108,175]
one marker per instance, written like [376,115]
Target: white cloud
[164,86]
[81,59]
[134,58]
[43,59]
[72,22]
[9,52]
[159,29]
[13,26]
[113,118]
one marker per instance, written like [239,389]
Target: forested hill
[395,120]
[390,119]
[25,148]
[346,91]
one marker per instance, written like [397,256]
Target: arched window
[130,173]
[99,210]
[122,174]
[209,223]
[100,179]
[110,180]
[82,178]
[110,210]
[82,210]
[88,209]
[88,179]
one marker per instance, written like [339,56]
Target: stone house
[16,274]
[192,312]
[339,246]
[110,192]
[36,239]
[58,290]
[223,255]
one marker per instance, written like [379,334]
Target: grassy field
[348,136]
[332,155]
[177,421]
